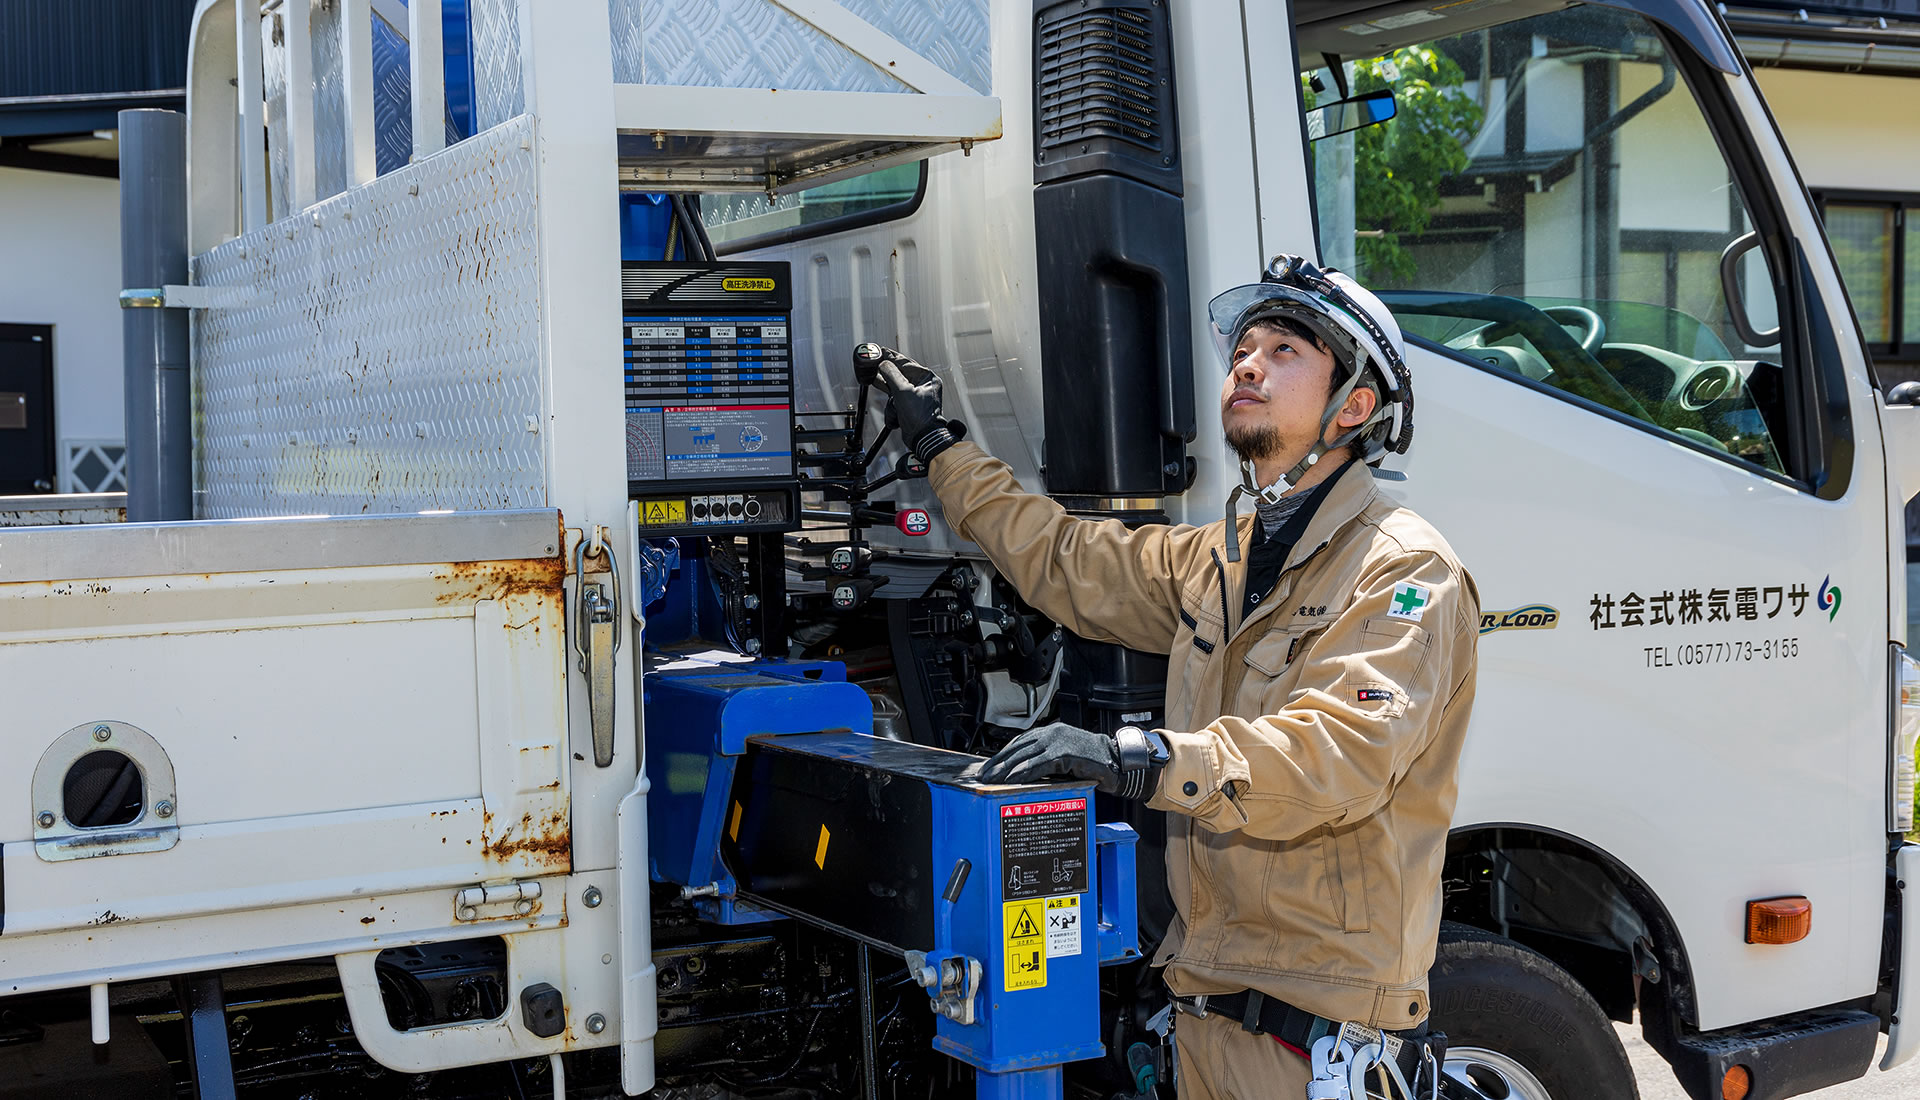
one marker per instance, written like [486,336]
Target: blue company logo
[1829,598]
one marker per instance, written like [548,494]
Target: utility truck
[531,664]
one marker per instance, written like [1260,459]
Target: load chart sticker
[1063,926]
[1043,848]
[1026,944]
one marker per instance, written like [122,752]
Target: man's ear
[1360,405]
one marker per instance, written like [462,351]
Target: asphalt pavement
[1657,1083]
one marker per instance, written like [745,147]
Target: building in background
[67,68]
[1843,80]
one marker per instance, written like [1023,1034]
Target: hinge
[506,899]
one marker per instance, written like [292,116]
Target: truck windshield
[1550,201]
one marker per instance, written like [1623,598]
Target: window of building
[740,222]
[1876,241]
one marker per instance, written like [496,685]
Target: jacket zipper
[1220,572]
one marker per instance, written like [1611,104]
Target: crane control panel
[709,396]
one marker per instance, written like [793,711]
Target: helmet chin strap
[1272,492]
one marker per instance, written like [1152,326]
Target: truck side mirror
[1354,113]
[1736,301]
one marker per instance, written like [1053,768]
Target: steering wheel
[1593,331]
[1572,364]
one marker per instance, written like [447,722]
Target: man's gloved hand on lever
[1127,763]
[914,395]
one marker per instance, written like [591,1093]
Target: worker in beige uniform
[1316,700]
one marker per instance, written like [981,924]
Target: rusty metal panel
[387,357]
[442,763]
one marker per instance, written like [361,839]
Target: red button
[913,521]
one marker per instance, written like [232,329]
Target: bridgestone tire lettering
[1492,993]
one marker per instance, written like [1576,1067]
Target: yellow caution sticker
[820,849]
[1026,944]
[662,513]
[733,830]
[737,284]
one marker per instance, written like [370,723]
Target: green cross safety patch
[1409,602]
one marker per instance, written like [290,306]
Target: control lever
[849,594]
[849,560]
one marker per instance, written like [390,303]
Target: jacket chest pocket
[1266,661]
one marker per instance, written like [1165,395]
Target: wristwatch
[1142,754]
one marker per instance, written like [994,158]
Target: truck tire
[1510,1009]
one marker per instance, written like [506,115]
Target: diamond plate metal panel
[392,97]
[498,91]
[329,103]
[273,70]
[388,356]
[732,44]
[953,34]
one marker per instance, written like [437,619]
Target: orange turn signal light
[1736,1084]
[1779,920]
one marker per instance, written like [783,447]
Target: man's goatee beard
[1254,444]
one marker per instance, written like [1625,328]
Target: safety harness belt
[1260,1014]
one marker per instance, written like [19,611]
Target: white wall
[60,266]
[1848,130]
[1671,172]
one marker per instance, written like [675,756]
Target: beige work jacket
[1314,745]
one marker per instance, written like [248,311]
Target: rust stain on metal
[468,581]
[366,920]
[108,917]
[547,839]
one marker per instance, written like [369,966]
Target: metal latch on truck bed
[596,634]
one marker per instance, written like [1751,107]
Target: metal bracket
[508,899]
[596,635]
[176,296]
[155,829]
[953,981]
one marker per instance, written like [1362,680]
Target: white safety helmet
[1367,348]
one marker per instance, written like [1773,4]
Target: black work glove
[1123,764]
[914,394]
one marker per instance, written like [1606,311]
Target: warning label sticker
[1026,947]
[659,513]
[1043,848]
[1063,926]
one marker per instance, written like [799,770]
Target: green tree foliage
[1399,166]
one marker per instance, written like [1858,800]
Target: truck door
[26,409]
[1633,426]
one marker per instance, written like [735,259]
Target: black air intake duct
[1110,235]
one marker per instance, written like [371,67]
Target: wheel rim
[1508,1079]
